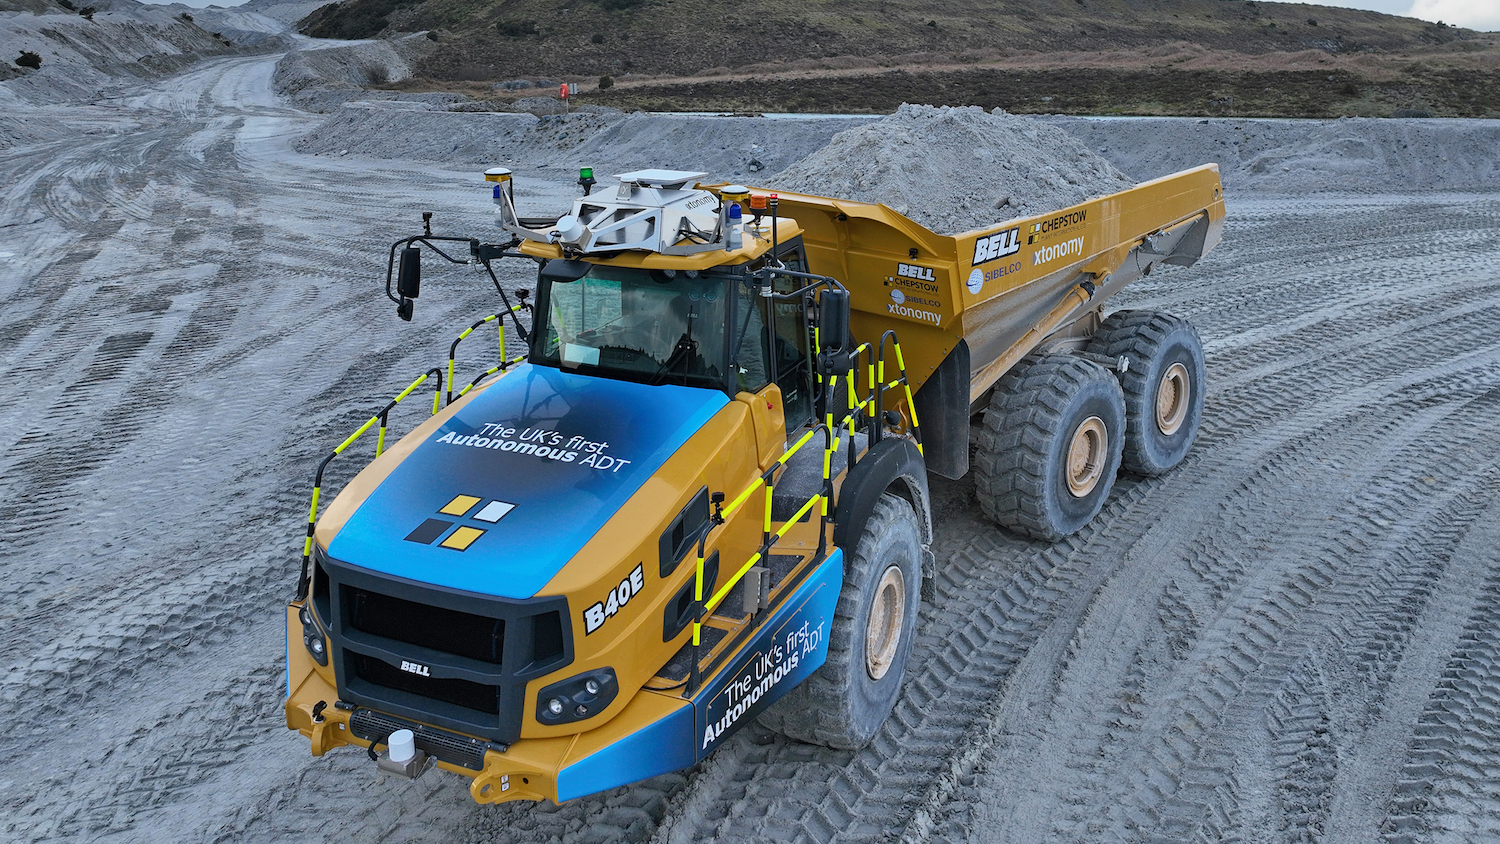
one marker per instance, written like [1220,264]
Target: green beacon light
[586,179]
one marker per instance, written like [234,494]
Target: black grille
[547,645]
[450,631]
[475,696]
[455,660]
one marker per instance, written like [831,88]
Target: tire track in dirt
[198,325]
[1311,374]
[1463,374]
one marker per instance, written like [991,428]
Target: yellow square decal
[460,505]
[461,539]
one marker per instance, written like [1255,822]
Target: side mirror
[833,320]
[409,273]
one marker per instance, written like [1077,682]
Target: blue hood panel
[566,450]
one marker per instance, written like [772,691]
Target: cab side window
[750,356]
[790,358]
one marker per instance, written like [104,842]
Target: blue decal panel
[507,491]
[791,645]
[662,747]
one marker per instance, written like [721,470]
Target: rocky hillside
[495,39]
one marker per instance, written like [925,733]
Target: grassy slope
[1241,56]
[500,38]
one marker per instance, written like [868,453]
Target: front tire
[844,703]
[1051,446]
[1163,386]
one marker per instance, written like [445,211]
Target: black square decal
[428,531]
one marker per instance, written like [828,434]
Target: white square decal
[494,511]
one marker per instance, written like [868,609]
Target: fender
[893,462]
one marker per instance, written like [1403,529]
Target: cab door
[791,357]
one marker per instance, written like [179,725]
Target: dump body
[994,294]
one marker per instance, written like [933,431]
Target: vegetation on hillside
[1241,57]
[505,38]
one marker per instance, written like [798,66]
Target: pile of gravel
[1358,155]
[321,80]
[82,58]
[730,148]
[956,169]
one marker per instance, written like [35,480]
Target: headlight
[576,698]
[312,636]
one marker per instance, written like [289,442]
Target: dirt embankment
[1442,92]
[320,78]
[81,57]
[1270,156]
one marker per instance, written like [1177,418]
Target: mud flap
[943,411]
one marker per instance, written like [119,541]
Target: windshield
[638,325]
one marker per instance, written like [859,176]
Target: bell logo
[916,272]
[415,668]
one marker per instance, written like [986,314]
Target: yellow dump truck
[692,490]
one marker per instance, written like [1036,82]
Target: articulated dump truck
[692,491]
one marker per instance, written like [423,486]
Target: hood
[508,490]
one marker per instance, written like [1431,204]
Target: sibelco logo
[415,668]
[997,245]
[898,297]
[978,278]
[914,271]
[1057,250]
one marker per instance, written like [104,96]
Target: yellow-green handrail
[381,417]
[768,537]
[504,361]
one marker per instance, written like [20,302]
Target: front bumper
[655,733]
[652,735]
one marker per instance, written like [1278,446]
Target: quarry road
[1290,637]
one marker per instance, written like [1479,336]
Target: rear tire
[844,703]
[1163,386]
[1050,447]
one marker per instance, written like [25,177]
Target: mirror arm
[525,335]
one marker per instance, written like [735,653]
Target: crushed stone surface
[1290,637]
[556,145]
[1356,154]
[956,169]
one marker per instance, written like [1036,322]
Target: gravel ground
[1289,638]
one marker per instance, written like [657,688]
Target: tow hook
[402,757]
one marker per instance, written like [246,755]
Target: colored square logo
[461,539]
[460,505]
[428,531]
[493,511]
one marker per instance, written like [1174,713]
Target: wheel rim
[1172,398]
[1086,456]
[883,631]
